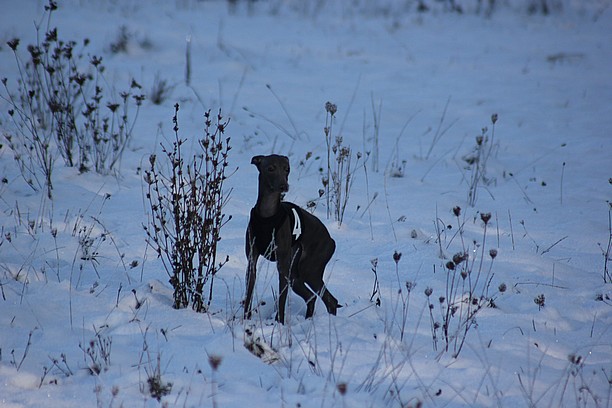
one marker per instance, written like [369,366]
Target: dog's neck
[268,203]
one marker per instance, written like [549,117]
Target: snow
[271,67]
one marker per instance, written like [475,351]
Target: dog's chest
[263,230]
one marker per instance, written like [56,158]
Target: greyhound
[284,233]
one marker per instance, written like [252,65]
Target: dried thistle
[540,300]
[460,257]
[13,44]
[485,217]
[214,361]
[331,108]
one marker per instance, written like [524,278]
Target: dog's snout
[281,186]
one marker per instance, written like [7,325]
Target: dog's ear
[286,159]
[256,160]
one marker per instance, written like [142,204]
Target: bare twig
[439,132]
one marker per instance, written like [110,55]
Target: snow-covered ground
[413,91]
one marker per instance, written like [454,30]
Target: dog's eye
[271,168]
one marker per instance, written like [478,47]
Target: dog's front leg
[250,286]
[282,241]
[283,264]
[283,289]
[251,274]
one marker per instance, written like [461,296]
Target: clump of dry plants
[186,198]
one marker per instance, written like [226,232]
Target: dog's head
[273,172]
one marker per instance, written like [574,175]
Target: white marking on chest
[297,225]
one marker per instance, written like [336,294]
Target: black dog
[284,233]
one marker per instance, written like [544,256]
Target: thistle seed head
[485,217]
[331,108]
[13,44]
[460,257]
[214,361]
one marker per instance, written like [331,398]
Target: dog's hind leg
[331,303]
[312,270]
[297,282]
[300,288]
